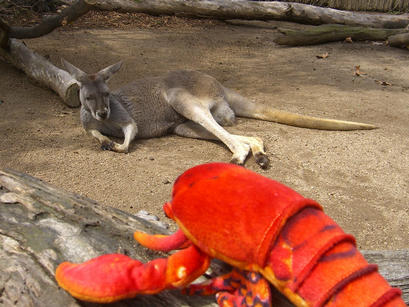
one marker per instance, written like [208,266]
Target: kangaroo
[187,103]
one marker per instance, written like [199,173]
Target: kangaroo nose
[102,114]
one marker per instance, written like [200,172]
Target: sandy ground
[360,177]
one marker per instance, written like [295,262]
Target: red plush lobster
[269,233]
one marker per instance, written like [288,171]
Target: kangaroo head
[94,92]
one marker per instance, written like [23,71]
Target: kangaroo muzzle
[102,114]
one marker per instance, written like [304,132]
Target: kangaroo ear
[107,72]
[77,73]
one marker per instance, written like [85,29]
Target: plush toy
[270,234]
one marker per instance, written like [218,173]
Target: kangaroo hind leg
[193,130]
[198,111]
[257,149]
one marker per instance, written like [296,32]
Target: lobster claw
[113,277]
[103,279]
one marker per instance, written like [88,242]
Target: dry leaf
[64,22]
[384,83]
[322,56]
[358,70]
[348,40]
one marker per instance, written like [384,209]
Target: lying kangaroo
[187,103]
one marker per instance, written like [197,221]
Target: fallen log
[42,71]
[219,9]
[261,10]
[354,5]
[399,40]
[50,22]
[4,34]
[41,226]
[332,33]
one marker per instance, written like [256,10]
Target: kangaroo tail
[246,108]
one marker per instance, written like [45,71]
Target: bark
[50,22]
[394,266]
[399,40]
[4,34]
[332,33]
[42,71]
[221,9]
[262,10]
[360,5]
[41,226]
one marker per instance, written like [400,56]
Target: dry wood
[50,22]
[399,40]
[4,32]
[42,71]
[41,226]
[221,9]
[394,266]
[332,33]
[263,10]
[360,5]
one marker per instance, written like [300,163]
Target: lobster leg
[113,277]
[162,242]
[237,288]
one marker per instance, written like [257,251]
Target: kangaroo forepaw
[112,146]
[262,160]
[108,145]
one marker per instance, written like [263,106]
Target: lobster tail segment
[314,263]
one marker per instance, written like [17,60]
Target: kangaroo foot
[262,160]
[240,154]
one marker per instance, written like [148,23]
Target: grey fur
[186,103]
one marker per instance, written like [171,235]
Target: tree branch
[50,22]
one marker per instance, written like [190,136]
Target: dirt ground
[360,177]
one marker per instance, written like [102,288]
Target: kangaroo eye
[89,98]
[106,94]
